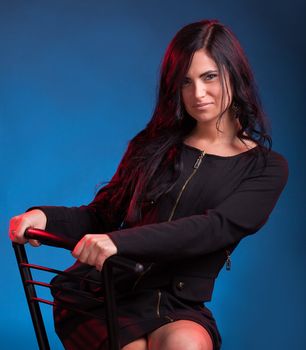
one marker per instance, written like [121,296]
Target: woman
[193,183]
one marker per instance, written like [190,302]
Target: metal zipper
[158,304]
[169,318]
[159,294]
[195,169]
[228,263]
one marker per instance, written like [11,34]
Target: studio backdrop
[78,80]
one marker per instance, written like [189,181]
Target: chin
[204,118]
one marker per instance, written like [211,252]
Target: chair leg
[30,293]
[110,307]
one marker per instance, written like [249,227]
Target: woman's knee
[184,335]
[139,344]
[184,341]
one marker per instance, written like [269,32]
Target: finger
[34,242]
[93,251]
[90,251]
[92,257]
[12,227]
[79,251]
[100,262]
[16,230]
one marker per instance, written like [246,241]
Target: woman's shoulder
[276,158]
[275,166]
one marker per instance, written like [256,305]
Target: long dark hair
[151,163]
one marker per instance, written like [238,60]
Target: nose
[199,90]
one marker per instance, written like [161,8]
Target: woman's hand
[18,224]
[94,249]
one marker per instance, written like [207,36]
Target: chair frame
[29,285]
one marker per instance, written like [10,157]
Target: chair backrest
[33,300]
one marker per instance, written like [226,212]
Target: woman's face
[202,89]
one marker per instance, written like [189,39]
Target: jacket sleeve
[74,222]
[242,213]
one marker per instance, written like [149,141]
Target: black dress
[184,240]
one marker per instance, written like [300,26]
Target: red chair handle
[50,239]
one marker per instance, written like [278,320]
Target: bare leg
[139,344]
[180,335]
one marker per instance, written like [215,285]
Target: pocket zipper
[228,263]
[158,304]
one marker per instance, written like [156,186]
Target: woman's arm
[75,222]
[242,213]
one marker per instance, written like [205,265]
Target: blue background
[78,80]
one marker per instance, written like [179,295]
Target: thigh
[180,335]
[139,344]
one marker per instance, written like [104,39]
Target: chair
[34,301]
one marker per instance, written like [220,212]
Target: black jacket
[213,206]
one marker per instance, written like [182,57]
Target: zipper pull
[228,262]
[199,160]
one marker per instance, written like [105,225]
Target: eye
[211,76]
[186,82]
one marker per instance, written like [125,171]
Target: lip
[202,105]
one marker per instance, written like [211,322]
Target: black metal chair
[34,301]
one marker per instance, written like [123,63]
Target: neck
[226,132]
